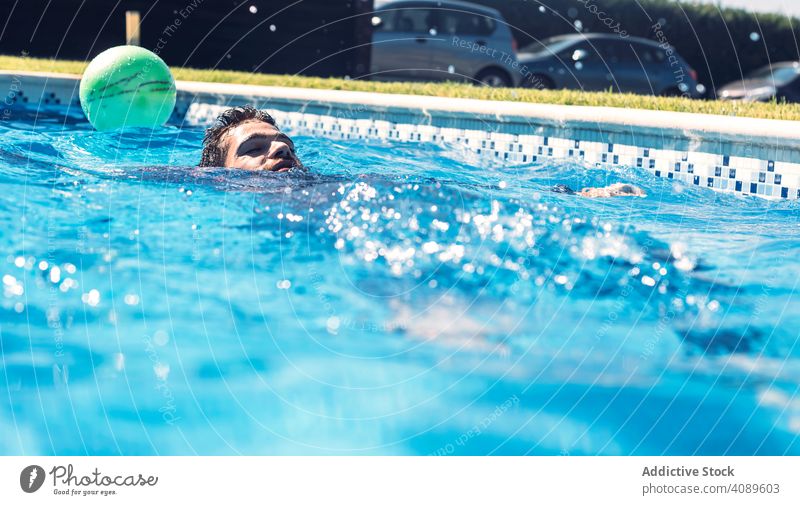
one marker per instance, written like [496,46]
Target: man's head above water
[247,138]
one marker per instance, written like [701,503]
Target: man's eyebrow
[279,136]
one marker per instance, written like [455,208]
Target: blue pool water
[398,299]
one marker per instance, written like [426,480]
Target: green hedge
[718,43]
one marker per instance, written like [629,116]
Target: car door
[401,43]
[581,66]
[648,71]
[464,45]
[631,67]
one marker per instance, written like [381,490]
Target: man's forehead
[250,127]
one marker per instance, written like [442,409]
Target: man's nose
[280,150]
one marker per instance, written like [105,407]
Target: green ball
[127,86]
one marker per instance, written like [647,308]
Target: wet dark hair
[213,153]
[562,188]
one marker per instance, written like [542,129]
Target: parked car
[599,61]
[779,80]
[430,40]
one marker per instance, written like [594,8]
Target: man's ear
[212,157]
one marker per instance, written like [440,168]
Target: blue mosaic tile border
[734,165]
[732,174]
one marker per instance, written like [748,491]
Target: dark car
[780,81]
[435,40]
[599,61]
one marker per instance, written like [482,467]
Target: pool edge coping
[686,124]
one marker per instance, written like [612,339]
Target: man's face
[256,145]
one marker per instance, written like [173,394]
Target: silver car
[430,40]
[779,81]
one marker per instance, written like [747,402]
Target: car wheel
[494,78]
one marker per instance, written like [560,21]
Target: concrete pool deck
[732,154]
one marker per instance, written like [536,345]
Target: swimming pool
[400,298]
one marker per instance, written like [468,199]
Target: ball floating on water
[127,86]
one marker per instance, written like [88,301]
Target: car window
[581,51]
[779,75]
[608,50]
[624,52]
[414,20]
[552,45]
[648,55]
[785,75]
[761,73]
[384,21]
[464,23]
